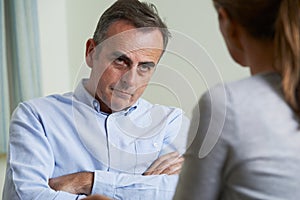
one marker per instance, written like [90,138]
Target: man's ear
[90,50]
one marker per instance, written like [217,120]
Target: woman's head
[277,21]
[258,17]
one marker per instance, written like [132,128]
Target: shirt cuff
[104,183]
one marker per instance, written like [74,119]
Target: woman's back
[263,145]
[257,153]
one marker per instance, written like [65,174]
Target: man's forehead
[126,35]
[132,48]
[126,27]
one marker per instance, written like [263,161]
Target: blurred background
[43,45]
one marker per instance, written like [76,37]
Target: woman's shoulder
[248,88]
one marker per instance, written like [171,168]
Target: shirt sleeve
[201,176]
[126,186]
[30,161]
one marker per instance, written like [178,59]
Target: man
[102,138]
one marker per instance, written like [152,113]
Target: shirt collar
[82,95]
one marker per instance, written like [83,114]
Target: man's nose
[129,78]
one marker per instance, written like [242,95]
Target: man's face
[124,64]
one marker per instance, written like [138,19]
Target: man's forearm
[169,164]
[111,184]
[155,179]
[76,183]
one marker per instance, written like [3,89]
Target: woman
[257,154]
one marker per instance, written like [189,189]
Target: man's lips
[122,92]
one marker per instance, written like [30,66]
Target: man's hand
[77,183]
[170,164]
[97,197]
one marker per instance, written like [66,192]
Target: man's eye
[144,68]
[119,61]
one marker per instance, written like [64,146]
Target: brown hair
[278,21]
[140,14]
[287,50]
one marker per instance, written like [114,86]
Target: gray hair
[140,14]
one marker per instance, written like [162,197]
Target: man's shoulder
[47,102]
[51,98]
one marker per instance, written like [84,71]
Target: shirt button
[155,144]
[95,105]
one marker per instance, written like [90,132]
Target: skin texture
[167,164]
[77,183]
[120,71]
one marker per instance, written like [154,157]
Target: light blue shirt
[63,134]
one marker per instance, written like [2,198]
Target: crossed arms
[39,169]
[82,182]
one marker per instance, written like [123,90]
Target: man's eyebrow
[149,64]
[118,54]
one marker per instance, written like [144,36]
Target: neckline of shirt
[82,95]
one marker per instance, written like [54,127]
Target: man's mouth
[121,93]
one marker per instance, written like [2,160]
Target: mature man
[102,138]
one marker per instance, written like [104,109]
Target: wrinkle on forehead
[145,54]
[135,39]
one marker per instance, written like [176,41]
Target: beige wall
[54,48]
